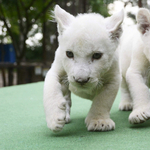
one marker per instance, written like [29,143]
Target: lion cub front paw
[100,124]
[139,115]
[56,118]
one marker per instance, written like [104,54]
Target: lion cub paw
[139,116]
[100,124]
[57,117]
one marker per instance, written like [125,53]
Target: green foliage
[19,16]
[34,53]
[100,6]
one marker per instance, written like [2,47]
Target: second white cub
[135,66]
[86,63]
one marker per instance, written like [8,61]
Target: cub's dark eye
[97,55]
[69,54]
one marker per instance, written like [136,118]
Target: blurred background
[28,37]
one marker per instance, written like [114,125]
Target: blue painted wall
[7,53]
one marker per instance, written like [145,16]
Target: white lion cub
[86,63]
[135,65]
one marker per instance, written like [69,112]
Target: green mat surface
[23,125]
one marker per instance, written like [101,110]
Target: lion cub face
[87,44]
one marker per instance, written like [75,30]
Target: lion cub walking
[135,66]
[86,63]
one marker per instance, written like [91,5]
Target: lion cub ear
[63,19]
[113,25]
[143,20]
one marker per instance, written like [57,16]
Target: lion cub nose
[81,81]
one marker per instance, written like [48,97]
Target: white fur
[83,35]
[135,66]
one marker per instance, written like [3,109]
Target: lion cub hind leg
[126,103]
[68,106]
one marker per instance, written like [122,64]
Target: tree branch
[30,4]
[3,18]
[19,16]
[42,12]
[22,4]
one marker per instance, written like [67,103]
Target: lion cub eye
[97,55]
[69,54]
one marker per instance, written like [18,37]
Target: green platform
[23,125]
